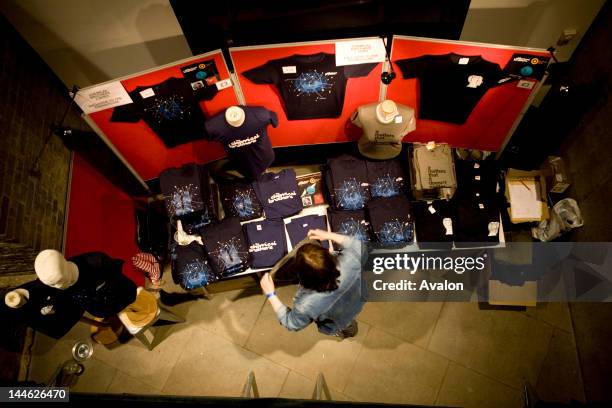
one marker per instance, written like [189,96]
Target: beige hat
[54,270]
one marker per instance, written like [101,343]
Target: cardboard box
[501,294]
[524,179]
[556,174]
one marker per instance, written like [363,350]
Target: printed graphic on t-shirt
[474,81]
[227,256]
[354,228]
[168,109]
[183,199]
[243,204]
[437,177]
[350,195]
[262,246]
[195,274]
[386,186]
[313,84]
[281,197]
[383,138]
[395,231]
[243,142]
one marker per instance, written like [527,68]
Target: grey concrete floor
[452,354]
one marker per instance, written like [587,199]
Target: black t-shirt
[277,193]
[169,108]
[352,223]
[63,314]
[267,244]
[386,178]
[434,223]
[477,178]
[348,182]
[478,221]
[101,289]
[239,200]
[311,86]
[248,145]
[190,267]
[182,190]
[451,84]
[298,228]
[391,220]
[226,247]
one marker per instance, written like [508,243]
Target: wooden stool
[140,316]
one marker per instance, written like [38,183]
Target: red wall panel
[491,119]
[142,148]
[359,91]
[100,218]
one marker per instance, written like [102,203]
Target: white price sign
[360,51]
[100,97]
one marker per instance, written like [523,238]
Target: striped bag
[148,264]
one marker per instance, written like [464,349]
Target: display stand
[490,124]
[143,151]
[144,154]
[359,91]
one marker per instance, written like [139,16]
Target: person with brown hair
[329,292]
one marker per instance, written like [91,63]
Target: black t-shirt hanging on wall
[311,86]
[170,108]
[451,84]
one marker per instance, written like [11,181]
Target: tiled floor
[450,354]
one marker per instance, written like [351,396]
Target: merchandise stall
[208,136]
[303,94]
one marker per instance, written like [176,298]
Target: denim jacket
[331,311]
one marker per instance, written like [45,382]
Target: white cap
[234,115]
[54,270]
[386,111]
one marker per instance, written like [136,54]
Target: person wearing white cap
[54,270]
[384,126]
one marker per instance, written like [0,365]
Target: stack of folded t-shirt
[190,267]
[435,223]
[267,243]
[347,182]
[239,200]
[187,191]
[226,247]
[298,228]
[433,171]
[351,223]
[391,220]
[385,178]
[278,194]
[477,203]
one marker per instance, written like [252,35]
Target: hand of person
[266,283]
[319,234]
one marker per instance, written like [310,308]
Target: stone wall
[32,101]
